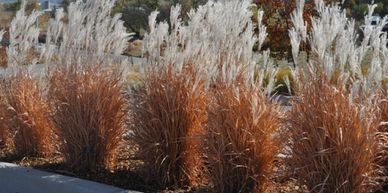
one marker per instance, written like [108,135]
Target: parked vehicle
[375,20]
[385,28]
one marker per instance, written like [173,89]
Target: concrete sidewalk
[17,179]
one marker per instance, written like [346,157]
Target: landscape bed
[128,175]
[200,112]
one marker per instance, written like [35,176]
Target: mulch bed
[127,173]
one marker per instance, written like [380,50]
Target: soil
[127,173]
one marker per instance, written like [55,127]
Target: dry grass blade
[25,116]
[89,112]
[168,117]
[242,139]
[382,135]
[333,147]
[5,135]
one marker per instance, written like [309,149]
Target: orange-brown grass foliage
[25,116]
[169,113]
[5,135]
[242,139]
[89,110]
[333,145]
[383,129]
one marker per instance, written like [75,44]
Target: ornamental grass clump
[243,138]
[25,116]
[87,32]
[183,61]
[333,146]
[86,96]
[243,132]
[169,112]
[86,105]
[89,111]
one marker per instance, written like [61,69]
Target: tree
[359,11]
[277,18]
[13,7]
[135,13]
[66,3]
[32,5]
[382,7]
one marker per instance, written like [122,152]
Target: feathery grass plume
[335,47]
[298,33]
[333,146]
[90,34]
[89,111]
[213,47]
[25,115]
[23,37]
[169,113]
[241,139]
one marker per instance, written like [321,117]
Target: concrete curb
[17,179]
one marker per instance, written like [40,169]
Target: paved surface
[17,179]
